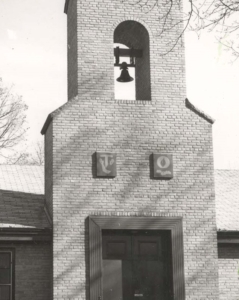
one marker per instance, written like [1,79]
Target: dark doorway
[137,265]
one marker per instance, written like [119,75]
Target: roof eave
[228,237]
[25,234]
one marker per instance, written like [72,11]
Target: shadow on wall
[133,191]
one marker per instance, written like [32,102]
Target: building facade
[129,206]
[88,210]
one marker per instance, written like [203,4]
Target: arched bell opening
[131,46]
[124,89]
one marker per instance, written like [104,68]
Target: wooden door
[136,265]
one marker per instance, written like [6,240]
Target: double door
[137,265]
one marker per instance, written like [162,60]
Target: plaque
[163,165]
[106,164]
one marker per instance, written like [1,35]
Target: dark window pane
[112,279]
[5,276]
[116,248]
[5,260]
[117,280]
[148,248]
[4,292]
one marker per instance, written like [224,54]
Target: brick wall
[95,121]
[33,270]
[133,130]
[96,23]
[72,49]
[49,168]
[228,255]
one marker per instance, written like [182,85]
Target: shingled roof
[26,179]
[22,197]
[227,199]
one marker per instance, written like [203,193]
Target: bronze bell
[124,77]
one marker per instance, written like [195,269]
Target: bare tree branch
[219,16]
[35,157]
[12,119]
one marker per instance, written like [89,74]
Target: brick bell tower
[129,183]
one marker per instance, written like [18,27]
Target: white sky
[33,57]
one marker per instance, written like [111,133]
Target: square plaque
[106,164]
[163,165]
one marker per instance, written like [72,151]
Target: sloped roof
[22,197]
[26,179]
[22,210]
[227,199]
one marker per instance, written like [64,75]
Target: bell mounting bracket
[132,53]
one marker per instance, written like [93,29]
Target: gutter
[25,235]
[228,237]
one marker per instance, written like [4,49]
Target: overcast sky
[33,58]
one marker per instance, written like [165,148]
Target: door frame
[98,223]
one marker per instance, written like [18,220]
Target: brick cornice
[53,114]
[199,112]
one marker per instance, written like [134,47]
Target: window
[6,274]
[136,258]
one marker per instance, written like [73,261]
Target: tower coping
[199,112]
[66,6]
[188,104]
